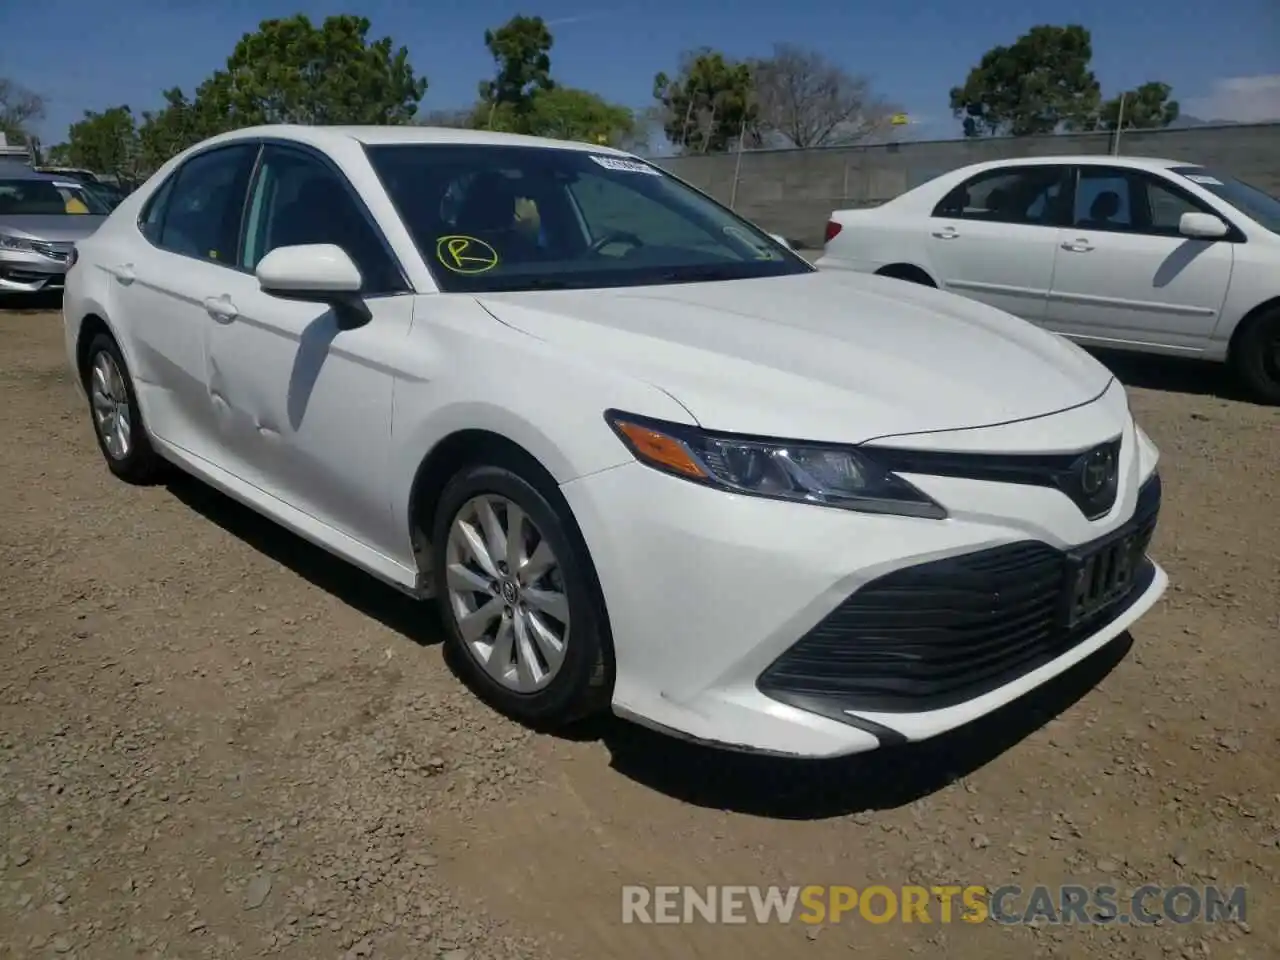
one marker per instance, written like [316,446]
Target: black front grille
[937,634]
[53,249]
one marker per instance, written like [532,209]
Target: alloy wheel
[112,414]
[507,594]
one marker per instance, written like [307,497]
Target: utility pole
[1115,144]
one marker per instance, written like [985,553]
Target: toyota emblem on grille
[1097,469]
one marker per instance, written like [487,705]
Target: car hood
[52,227]
[840,357]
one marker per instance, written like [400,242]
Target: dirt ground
[216,741]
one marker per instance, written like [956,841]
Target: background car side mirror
[781,239]
[318,273]
[1202,226]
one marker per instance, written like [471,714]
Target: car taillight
[833,228]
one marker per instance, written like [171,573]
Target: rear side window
[1023,195]
[201,213]
[152,219]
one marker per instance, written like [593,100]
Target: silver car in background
[41,218]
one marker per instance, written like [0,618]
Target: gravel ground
[216,741]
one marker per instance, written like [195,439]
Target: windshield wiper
[700,275]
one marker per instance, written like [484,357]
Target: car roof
[1087,159]
[324,137]
[29,174]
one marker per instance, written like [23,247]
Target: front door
[1125,276]
[993,237]
[303,407]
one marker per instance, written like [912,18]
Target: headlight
[823,474]
[15,243]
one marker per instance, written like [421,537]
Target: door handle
[221,308]
[948,234]
[124,273]
[1077,246]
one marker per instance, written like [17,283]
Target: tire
[136,461]
[582,683]
[1255,358]
[907,275]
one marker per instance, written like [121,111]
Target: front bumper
[23,271]
[735,619]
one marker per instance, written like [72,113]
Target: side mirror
[317,273]
[781,239]
[1202,226]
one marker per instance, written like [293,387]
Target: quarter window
[201,217]
[1022,195]
[299,199]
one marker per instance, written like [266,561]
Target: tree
[564,113]
[20,109]
[1039,84]
[708,104]
[291,71]
[179,124]
[1146,108]
[521,48]
[105,142]
[810,102]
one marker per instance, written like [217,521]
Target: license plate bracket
[1102,575]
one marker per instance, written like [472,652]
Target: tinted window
[1102,200]
[202,213]
[50,198]
[1255,204]
[297,198]
[514,217]
[1026,195]
[1131,201]
[152,218]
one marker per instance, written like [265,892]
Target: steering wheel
[616,236]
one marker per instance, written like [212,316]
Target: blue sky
[1222,58]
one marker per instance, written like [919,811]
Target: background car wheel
[907,272]
[519,600]
[1256,357]
[117,422]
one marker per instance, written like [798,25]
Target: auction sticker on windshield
[463,254]
[627,166]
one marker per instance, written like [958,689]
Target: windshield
[1248,199]
[496,218]
[49,198]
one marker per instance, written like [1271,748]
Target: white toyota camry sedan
[644,457]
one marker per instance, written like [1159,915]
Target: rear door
[992,238]
[187,240]
[1124,274]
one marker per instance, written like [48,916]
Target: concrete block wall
[791,192]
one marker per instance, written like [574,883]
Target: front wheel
[117,421]
[518,598]
[1256,357]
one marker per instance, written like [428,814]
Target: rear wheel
[117,421]
[907,272]
[518,597]
[1255,357]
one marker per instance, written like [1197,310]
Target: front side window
[1256,204]
[201,217]
[299,199]
[491,218]
[1130,201]
[1029,196]
[48,198]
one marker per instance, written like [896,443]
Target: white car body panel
[324,430]
[1144,292]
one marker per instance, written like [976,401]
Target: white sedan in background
[1121,252]
[644,457]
